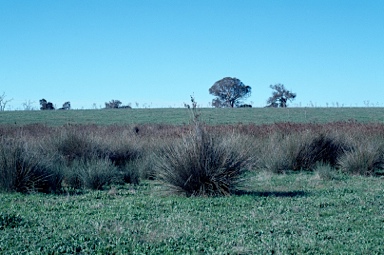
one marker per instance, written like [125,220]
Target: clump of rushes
[326,148]
[202,164]
[24,169]
[278,152]
[91,174]
[365,158]
[301,151]
[104,156]
[74,145]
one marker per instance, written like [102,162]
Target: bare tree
[229,92]
[3,102]
[280,96]
[28,105]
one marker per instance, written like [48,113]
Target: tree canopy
[280,96]
[66,106]
[116,104]
[229,92]
[45,105]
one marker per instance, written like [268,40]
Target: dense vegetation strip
[51,159]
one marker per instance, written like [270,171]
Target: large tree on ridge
[229,92]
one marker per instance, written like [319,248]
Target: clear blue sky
[159,52]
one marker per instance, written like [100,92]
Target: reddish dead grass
[176,131]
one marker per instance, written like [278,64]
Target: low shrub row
[304,151]
[190,159]
[72,159]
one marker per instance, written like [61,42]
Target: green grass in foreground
[179,116]
[280,214]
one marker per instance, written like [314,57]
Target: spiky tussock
[24,169]
[301,151]
[366,158]
[91,174]
[200,164]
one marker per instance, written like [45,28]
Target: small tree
[66,106]
[45,105]
[280,96]
[113,104]
[117,104]
[229,92]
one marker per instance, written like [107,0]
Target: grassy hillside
[179,116]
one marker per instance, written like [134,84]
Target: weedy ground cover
[298,213]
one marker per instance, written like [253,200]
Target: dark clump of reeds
[325,148]
[353,148]
[91,174]
[24,169]
[365,158]
[202,164]
[97,159]
[74,157]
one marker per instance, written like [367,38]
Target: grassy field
[280,214]
[317,211]
[180,116]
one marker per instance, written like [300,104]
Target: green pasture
[277,214]
[180,116]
